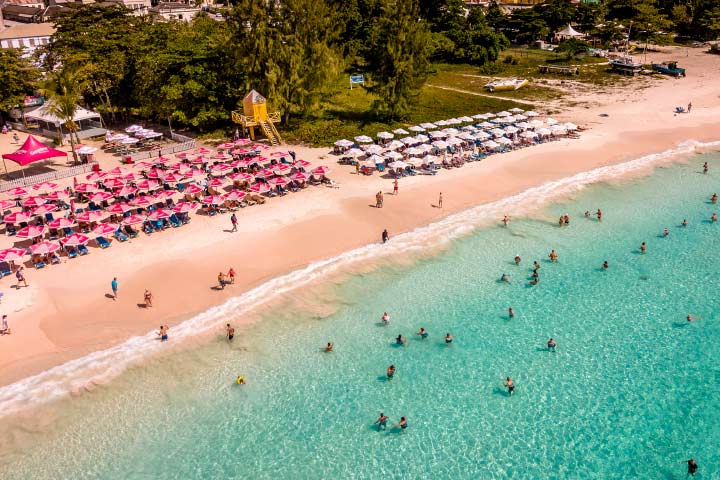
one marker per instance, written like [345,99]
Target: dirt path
[468,92]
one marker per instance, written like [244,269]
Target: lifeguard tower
[255,114]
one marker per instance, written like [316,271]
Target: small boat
[669,68]
[505,85]
[625,65]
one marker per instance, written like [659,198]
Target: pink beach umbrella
[31,231]
[222,156]
[220,169]
[213,200]
[159,214]
[279,154]
[91,215]
[299,177]
[148,185]
[95,176]
[265,173]
[260,188]
[163,194]
[5,204]
[260,146]
[194,173]
[75,239]
[322,170]
[143,165]
[119,207]
[17,192]
[242,163]
[216,182]
[58,195]
[43,209]
[33,202]
[87,188]
[201,151]
[199,160]
[131,177]
[178,166]
[242,141]
[240,151]
[113,183]
[155,173]
[301,163]
[120,171]
[182,155]
[161,160]
[12,254]
[241,177]
[143,201]
[99,196]
[281,168]
[133,220]
[226,146]
[171,178]
[125,191]
[44,247]
[278,181]
[193,189]
[17,217]
[234,196]
[185,207]
[61,223]
[45,186]
[105,229]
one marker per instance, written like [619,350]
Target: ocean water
[632,390]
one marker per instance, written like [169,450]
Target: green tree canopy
[17,78]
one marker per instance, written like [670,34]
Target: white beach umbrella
[428,126]
[523,125]
[558,130]
[86,150]
[414,161]
[452,131]
[498,120]
[504,141]
[442,123]
[482,135]
[497,132]
[393,155]
[486,125]
[543,131]
[429,159]
[400,131]
[570,126]
[528,134]
[532,113]
[408,140]
[394,145]
[469,128]
[363,139]
[414,151]
[489,115]
[375,159]
[440,144]
[503,114]
[421,138]
[354,153]
[479,116]
[397,164]
[491,144]
[425,147]
[511,129]
[343,143]
[551,121]
[438,134]
[373,149]
[454,121]
[517,110]
[416,128]
[454,141]
[467,136]
[465,119]
[385,135]
[536,123]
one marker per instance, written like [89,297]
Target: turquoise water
[631,392]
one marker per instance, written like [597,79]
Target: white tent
[568,32]
[44,114]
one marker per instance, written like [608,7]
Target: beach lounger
[148,229]
[380,167]
[119,235]
[54,260]
[40,264]
[83,250]
[49,217]
[5,269]
[174,221]
[410,171]
[102,242]
[71,252]
[10,230]
[67,231]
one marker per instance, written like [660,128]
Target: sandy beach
[65,313]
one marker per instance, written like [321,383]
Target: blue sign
[356,79]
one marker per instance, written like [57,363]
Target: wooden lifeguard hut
[255,114]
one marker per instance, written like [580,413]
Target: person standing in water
[511,312]
[391,372]
[551,344]
[643,247]
[403,423]
[705,167]
[599,215]
[536,265]
[385,318]
[605,265]
[448,339]
[506,220]
[690,318]
[517,260]
[381,422]
[329,347]
[692,467]
[510,386]
[714,198]
[666,232]
[713,217]
[400,340]
[230,332]
[685,222]
[423,333]
[553,256]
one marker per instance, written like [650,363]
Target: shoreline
[64,315]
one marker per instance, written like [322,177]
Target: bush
[510,60]
[715,48]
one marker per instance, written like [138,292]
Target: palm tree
[63,89]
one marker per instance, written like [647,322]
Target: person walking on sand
[395,187]
[385,236]
[148,298]
[20,276]
[5,329]
[114,286]
[231,276]
[230,332]
[440,200]
[221,281]
[234,221]
[689,106]
[377,200]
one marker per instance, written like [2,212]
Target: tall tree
[17,78]
[399,59]
[475,42]
[63,89]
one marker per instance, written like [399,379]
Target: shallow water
[631,391]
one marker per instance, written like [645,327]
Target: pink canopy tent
[31,151]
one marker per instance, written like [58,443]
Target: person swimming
[684,223]
[643,247]
[713,217]
[551,344]
[553,256]
[423,333]
[690,318]
[403,424]
[705,167]
[599,215]
[534,281]
[505,278]
[400,340]
[536,265]
[510,385]
[714,198]
[587,213]
[385,318]
[448,339]
[511,312]
[329,347]
[517,259]
[605,265]
[390,372]
[666,232]
[692,467]
[381,422]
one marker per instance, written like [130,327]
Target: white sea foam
[105,365]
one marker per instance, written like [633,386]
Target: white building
[26,36]
[175,11]
[138,7]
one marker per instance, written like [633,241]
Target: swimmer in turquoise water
[423,333]
[381,422]
[391,372]
[684,223]
[517,259]
[551,344]
[510,386]
[400,340]
[505,278]
[511,312]
[403,424]
[448,339]
[666,232]
[605,265]
[713,217]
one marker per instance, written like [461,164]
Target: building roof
[28,30]
[170,6]
[24,2]
[43,113]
